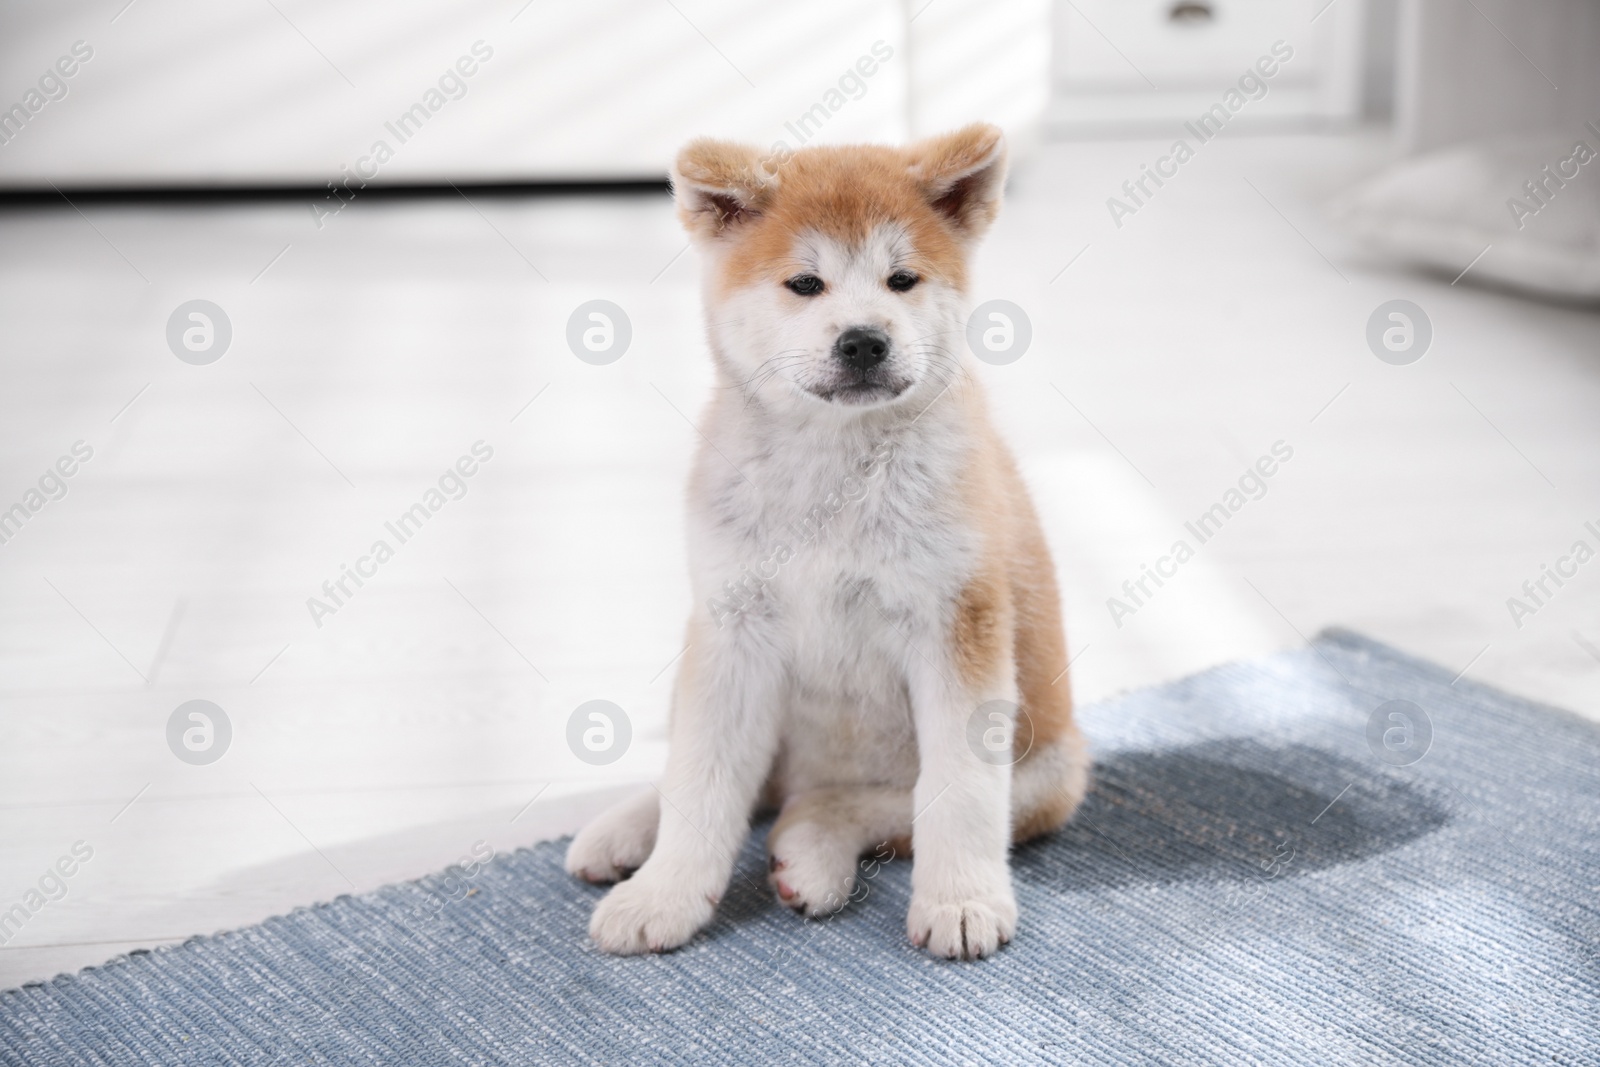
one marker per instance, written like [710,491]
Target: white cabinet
[1147,63]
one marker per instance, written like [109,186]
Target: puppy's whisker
[777,360]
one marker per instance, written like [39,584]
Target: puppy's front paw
[648,914]
[962,929]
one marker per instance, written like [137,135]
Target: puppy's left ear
[963,175]
[719,186]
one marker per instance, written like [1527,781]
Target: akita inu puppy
[878,604]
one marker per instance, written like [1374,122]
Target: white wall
[973,60]
[183,91]
[1496,66]
[291,91]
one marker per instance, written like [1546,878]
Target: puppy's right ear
[719,185]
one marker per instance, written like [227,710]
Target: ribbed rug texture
[1248,882]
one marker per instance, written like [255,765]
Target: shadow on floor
[1226,809]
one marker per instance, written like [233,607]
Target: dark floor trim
[229,194]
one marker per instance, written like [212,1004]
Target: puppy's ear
[963,175]
[718,185]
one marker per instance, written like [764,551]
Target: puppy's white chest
[864,577]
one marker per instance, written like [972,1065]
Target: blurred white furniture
[1146,64]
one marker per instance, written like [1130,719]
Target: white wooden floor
[430,711]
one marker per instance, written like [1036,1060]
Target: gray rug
[1271,869]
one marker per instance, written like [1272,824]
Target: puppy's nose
[862,348]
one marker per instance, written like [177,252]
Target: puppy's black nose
[861,348]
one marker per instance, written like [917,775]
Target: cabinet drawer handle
[1191,11]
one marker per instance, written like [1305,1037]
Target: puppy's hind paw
[813,881]
[614,845]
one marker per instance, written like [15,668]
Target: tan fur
[981,631]
[1012,615]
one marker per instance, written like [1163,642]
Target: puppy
[878,647]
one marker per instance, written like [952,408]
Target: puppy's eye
[901,280]
[805,284]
